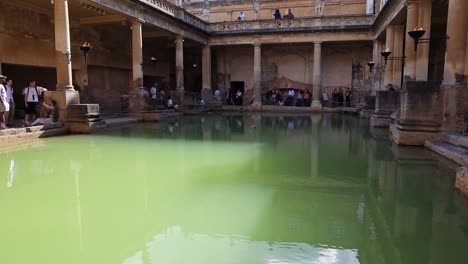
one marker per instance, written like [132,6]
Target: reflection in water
[11,174]
[200,248]
[232,189]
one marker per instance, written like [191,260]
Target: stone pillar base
[84,118]
[413,138]
[366,113]
[316,106]
[382,121]
[461,183]
[64,98]
[256,106]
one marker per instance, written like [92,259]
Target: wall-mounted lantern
[85,48]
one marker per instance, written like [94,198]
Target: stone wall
[455,108]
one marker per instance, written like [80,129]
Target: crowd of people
[276,15]
[38,109]
[288,98]
[340,98]
[158,94]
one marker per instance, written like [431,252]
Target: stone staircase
[454,147]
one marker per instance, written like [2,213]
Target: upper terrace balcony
[298,24]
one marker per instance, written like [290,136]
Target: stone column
[398,40]
[227,69]
[388,78]
[317,77]
[466,59]
[456,45]
[422,54]
[137,67]
[206,72]
[220,69]
[257,76]
[62,46]
[137,56]
[411,22]
[376,74]
[308,70]
[65,94]
[179,65]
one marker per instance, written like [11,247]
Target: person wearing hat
[4,106]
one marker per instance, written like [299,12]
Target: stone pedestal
[461,182]
[84,118]
[368,108]
[386,103]
[420,113]
[316,106]
[256,106]
[64,98]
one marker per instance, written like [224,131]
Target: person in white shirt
[4,106]
[31,100]
[217,93]
[154,91]
[170,104]
[241,16]
[10,115]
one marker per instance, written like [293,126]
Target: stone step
[452,152]
[456,139]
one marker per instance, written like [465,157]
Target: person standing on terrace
[277,14]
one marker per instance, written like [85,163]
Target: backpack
[39,96]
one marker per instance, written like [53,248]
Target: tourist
[170,104]
[307,98]
[348,97]
[217,93]
[202,102]
[290,99]
[52,113]
[340,97]
[10,115]
[289,14]
[238,100]
[32,95]
[299,101]
[277,14]
[4,106]
[241,16]
[162,94]
[154,91]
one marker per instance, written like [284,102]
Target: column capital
[411,3]
[318,42]
[257,44]
[137,22]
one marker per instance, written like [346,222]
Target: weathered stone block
[386,103]
[461,181]
[420,108]
[84,118]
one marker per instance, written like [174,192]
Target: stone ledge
[25,136]
[461,182]
[456,154]
[411,138]
[380,121]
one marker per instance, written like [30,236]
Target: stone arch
[293,67]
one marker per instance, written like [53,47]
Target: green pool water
[230,189]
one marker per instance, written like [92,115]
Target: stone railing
[257,26]
[296,24]
[177,12]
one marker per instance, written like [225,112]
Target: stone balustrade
[296,24]
[177,12]
[269,25]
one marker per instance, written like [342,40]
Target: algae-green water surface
[230,188]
